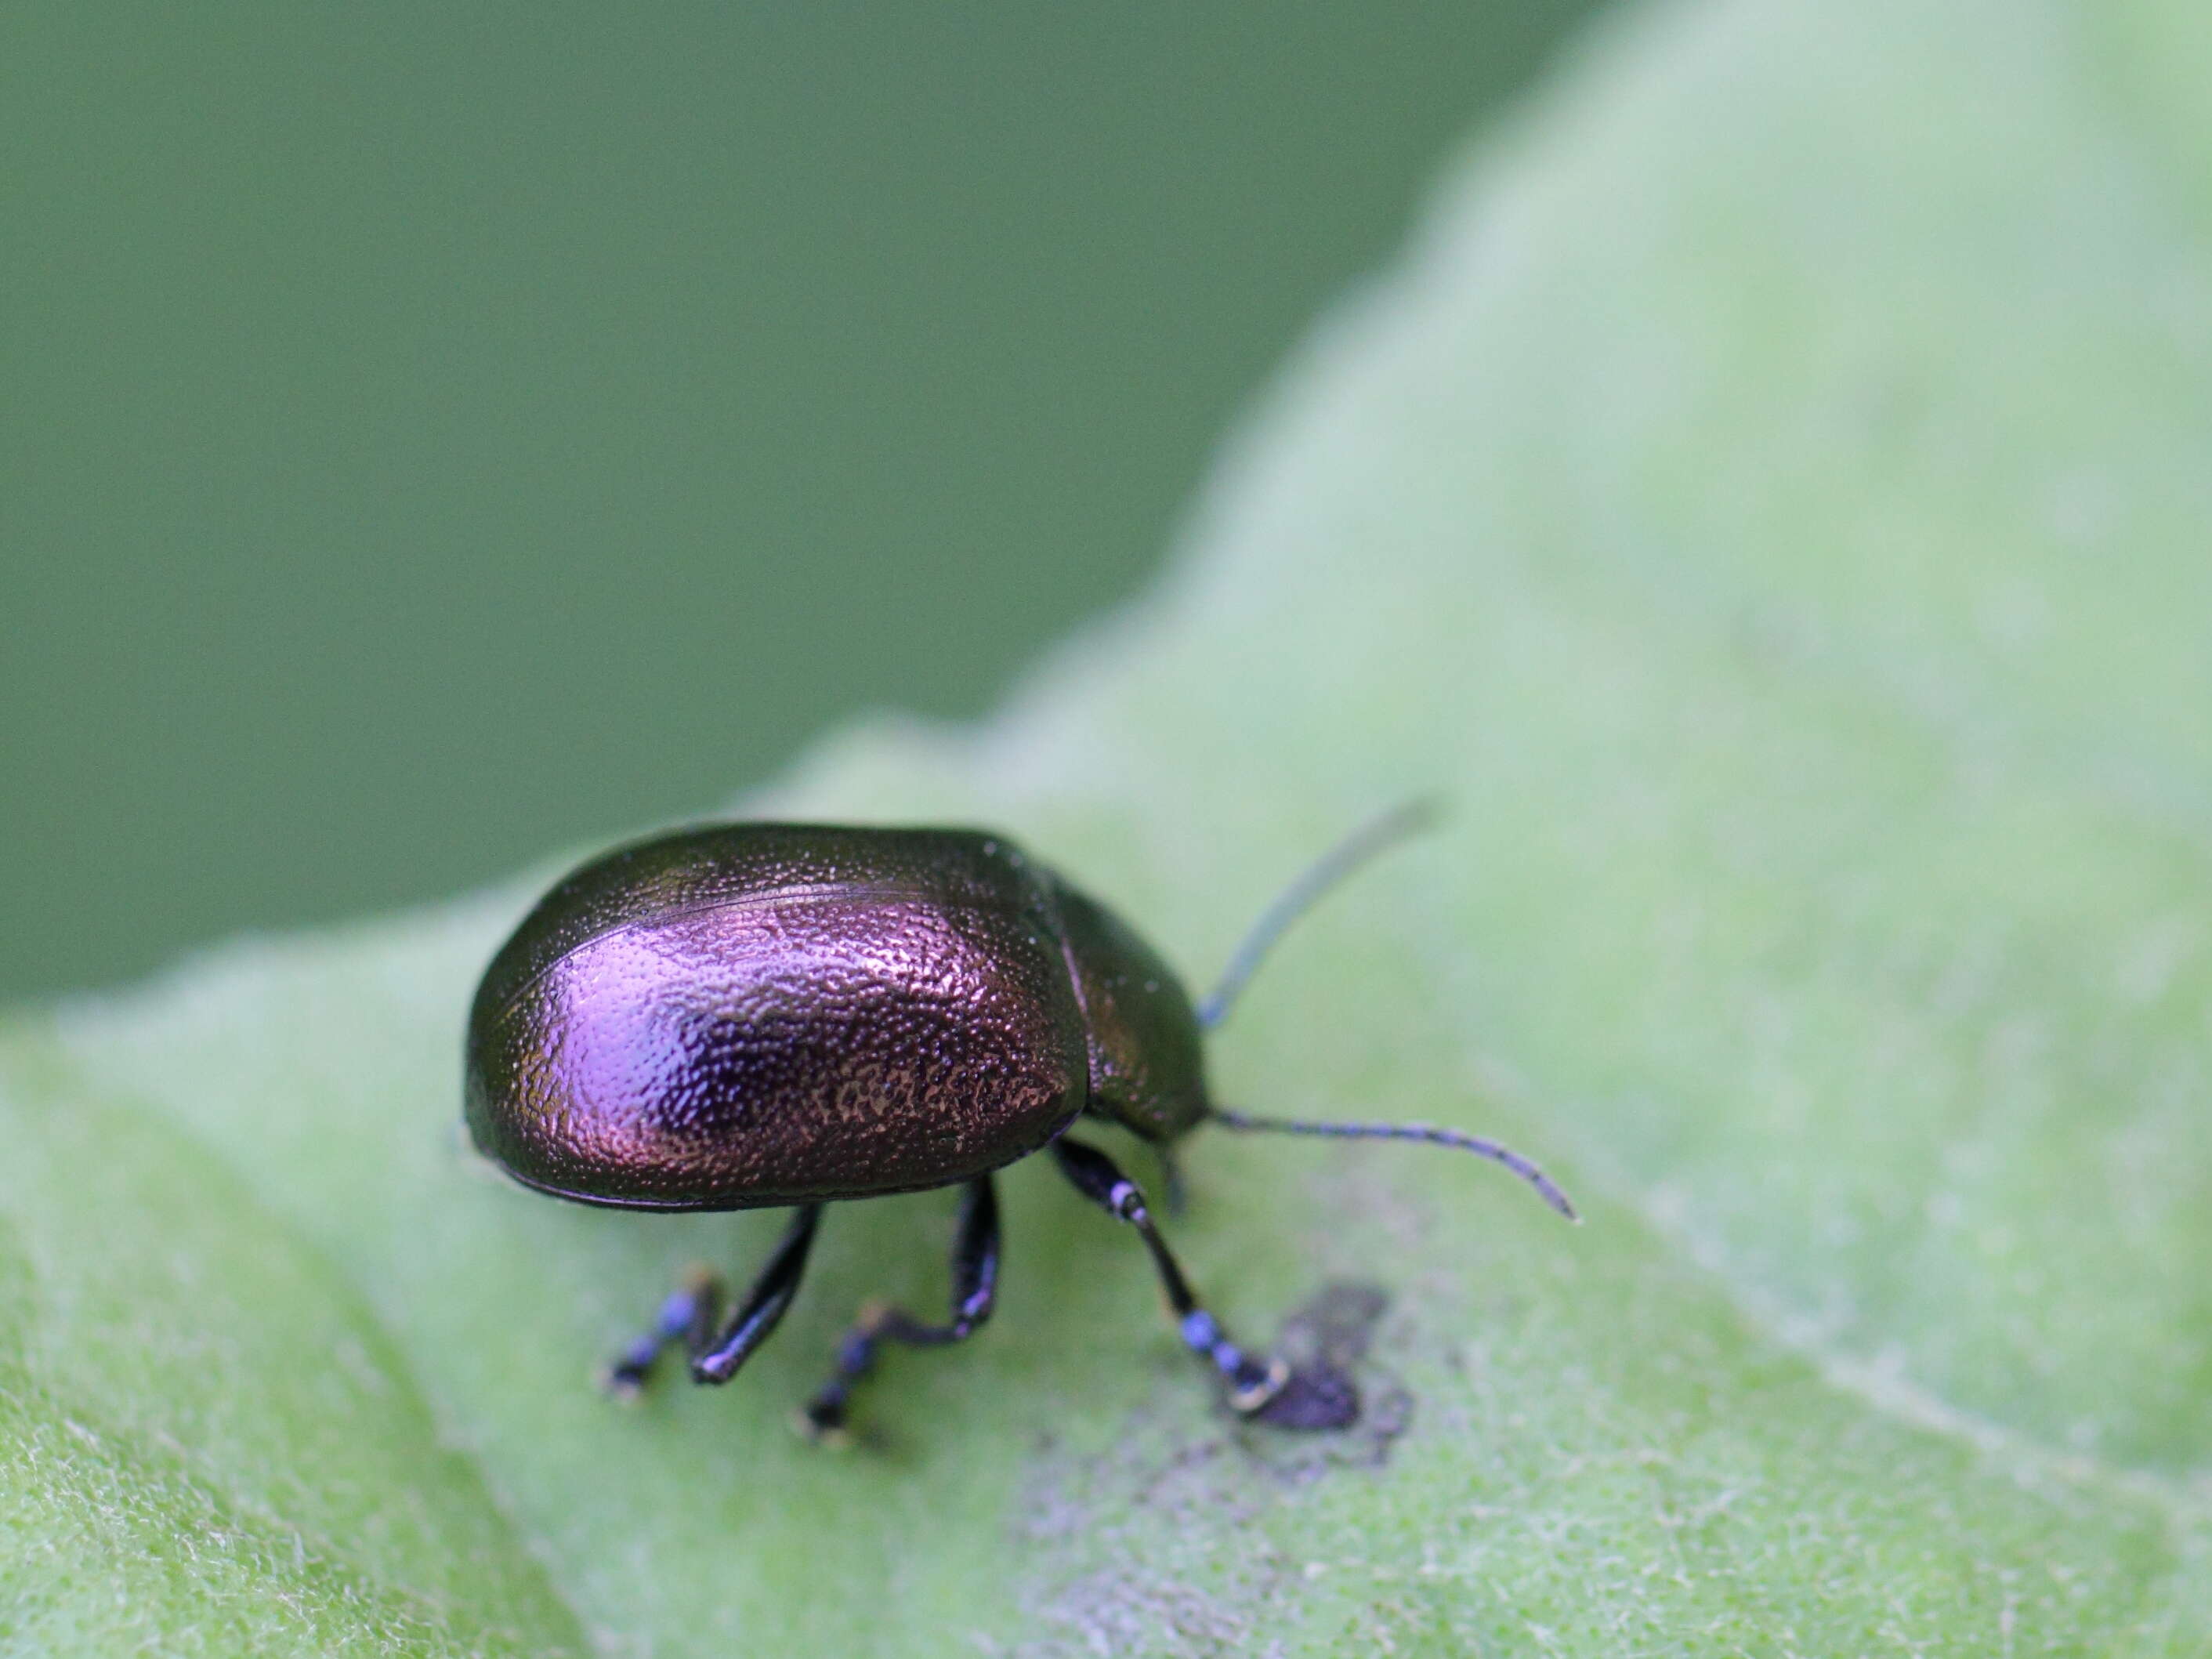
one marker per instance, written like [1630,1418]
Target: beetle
[756,1015]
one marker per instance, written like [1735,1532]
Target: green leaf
[1769,499]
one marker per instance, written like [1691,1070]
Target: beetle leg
[716,1360]
[1252,1382]
[974,1287]
[686,1317]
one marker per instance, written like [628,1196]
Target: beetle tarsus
[823,1423]
[685,1318]
[975,1289]
[1250,1381]
[1254,1386]
[689,1315]
[624,1379]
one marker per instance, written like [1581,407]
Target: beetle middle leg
[1251,1382]
[689,1316]
[974,1287]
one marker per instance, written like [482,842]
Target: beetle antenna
[1323,873]
[1489,1149]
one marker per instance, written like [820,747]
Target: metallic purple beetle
[752,1015]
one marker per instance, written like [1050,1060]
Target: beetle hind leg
[1250,1380]
[685,1318]
[689,1316]
[975,1288]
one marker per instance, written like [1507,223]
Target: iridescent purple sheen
[767,1014]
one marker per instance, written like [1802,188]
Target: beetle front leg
[1251,1383]
[689,1315]
[975,1288]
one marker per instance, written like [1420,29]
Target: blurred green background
[436,435]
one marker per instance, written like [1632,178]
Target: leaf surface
[1768,500]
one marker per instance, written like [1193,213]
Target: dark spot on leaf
[1313,1399]
[1333,1391]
